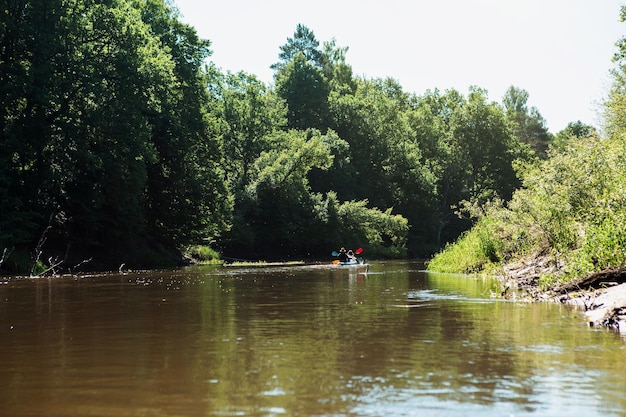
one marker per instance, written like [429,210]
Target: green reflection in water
[297,341]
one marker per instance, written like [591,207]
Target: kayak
[349,259]
[357,265]
[350,262]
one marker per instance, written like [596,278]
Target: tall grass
[478,250]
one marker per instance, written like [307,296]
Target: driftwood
[601,279]
[601,294]
[5,255]
[608,308]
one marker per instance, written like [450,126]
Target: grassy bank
[572,208]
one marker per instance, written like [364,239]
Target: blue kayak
[352,262]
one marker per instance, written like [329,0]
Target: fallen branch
[607,277]
[84,261]
[39,250]
[50,268]
[5,255]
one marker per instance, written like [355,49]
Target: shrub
[203,254]
[572,206]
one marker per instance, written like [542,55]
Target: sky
[559,51]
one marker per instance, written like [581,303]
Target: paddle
[357,252]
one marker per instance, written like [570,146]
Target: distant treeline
[121,143]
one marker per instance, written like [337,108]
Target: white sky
[559,51]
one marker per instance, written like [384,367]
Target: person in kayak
[351,256]
[343,255]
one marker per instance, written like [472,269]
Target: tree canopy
[122,143]
[107,139]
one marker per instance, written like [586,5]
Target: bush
[203,254]
[381,233]
[572,206]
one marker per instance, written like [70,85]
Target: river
[297,341]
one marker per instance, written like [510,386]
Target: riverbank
[601,295]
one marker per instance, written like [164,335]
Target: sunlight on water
[303,340]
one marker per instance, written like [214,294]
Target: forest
[121,143]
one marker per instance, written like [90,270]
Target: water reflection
[297,341]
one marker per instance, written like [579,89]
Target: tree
[252,112]
[106,140]
[488,146]
[528,125]
[282,218]
[387,165]
[573,130]
[305,76]
[571,204]
[615,104]
[279,211]
[187,199]
[431,121]
[83,75]
[303,42]
[335,68]
[384,233]
[305,90]
[469,149]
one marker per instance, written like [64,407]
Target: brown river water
[297,341]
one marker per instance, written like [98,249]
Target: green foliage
[305,76]
[384,150]
[469,150]
[477,250]
[615,104]
[75,104]
[335,68]
[598,206]
[305,90]
[571,207]
[303,43]
[277,209]
[104,128]
[422,156]
[288,165]
[384,234]
[572,130]
[119,140]
[251,113]
[203,254]
[528,125]
[188,200]
[281,217]
[487,147]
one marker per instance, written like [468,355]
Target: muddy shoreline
[601,296]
